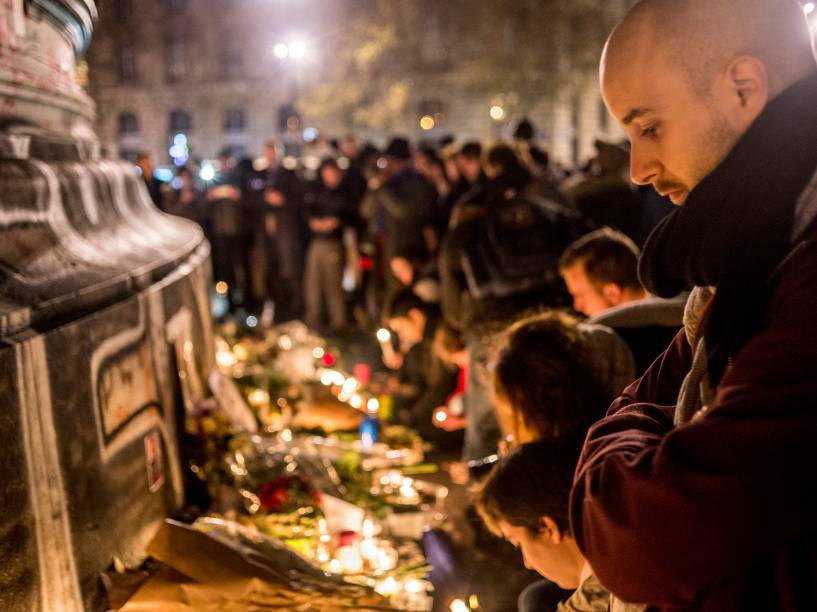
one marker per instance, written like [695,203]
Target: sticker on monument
[153,461]
[126,387]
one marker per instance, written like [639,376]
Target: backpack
[518,244]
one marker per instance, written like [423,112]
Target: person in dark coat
[429,380]
[186,199]
[698,490]
[399,208]
[323,281]
[231,232]
[144,161]
[478,317]
[605,196]
[286,236]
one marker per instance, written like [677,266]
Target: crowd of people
[632,384]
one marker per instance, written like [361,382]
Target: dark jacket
[718,514]
[400,211]
[324,203]
[462,310]
[647,326]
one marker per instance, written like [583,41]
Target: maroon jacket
[720,514]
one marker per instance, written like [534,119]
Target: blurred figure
[186,200]
[432,169]
[449,346]
[605,195]
[505,169]
[323,281]
[254,213]
[285,235]
[414,271]
[231,235]
[427,382]
[144,161]
[399,209]
[469,163]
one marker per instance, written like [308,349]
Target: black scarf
[736,225]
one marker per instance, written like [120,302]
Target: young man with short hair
[601,273]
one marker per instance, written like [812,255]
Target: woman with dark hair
[554,376]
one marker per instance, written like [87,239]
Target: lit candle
[408,493]
[386,559]
[241,352]
[387,587]
[350,560]
[225,358]
[258,398]
[458,605]
[349,386]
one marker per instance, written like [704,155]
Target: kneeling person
[525,500]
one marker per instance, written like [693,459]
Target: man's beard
[716,143]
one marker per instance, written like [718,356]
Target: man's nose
[644,168]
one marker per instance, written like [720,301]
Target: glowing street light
[427,122]
[297,49]
[281,51]
[809,7]
[497,112]
[207,172]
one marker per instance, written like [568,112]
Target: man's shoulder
[794,282]
[649,312]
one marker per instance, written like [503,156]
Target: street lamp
[294,50]
[281,51]
[297,49]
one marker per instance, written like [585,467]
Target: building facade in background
[236,73]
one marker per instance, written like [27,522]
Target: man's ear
[551,530]
[612,293]
[748,83]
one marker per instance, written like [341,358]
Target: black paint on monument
[104,317]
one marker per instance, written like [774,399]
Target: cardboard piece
[205,574]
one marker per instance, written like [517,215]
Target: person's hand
[273,197]
[458,472]
[446,421]
[393,360]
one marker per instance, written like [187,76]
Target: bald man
[698,491]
